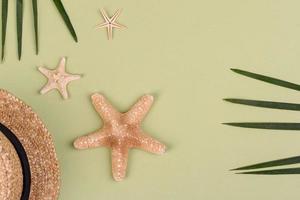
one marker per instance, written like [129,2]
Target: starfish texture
[58,79]
[120,132]
[110,22]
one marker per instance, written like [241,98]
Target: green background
[181,52]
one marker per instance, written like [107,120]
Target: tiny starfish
[110,23]
[120,132]
[58,78]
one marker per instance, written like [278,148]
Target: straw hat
[10,171]
[28,164]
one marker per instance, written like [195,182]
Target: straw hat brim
[11,176]
[28,130]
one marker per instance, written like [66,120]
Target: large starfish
[120,132]
[58,79]
[110,22]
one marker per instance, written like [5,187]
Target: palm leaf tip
[35,18]
[268,79]
[19,26]
[229,123]
[4,24]
[240,71]
[267,125]
[245,168]
[235,70]
[273,163]
[266,104]
[230,100]
[66,18]
[287,171]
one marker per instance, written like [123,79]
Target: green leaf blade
[268,79]
[273,163]
[19,26]
[66,18]
[288,171]
[35,18]
[4,25]
[265,104]
[267,125]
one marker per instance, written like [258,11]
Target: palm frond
[287,171]
[268,79]
[19,26]
[19,22]
[273,163]
[4,24]
[65,17]
[267,125]
[35,19]
[265,104]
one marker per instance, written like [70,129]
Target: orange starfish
[110,22]
[58,78]
[120,132]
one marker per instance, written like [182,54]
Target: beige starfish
[120,132]
[58,78]
[110,22]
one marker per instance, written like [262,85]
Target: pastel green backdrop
[181,52]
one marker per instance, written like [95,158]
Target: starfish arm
[49,86]
[92,140]
[104,15]
[116,15]
[150,144]
[46,72]
[62,65]
[72,77]
[102,25]
[109,32]
[119,162]
[63,91]
[117,25]
[63,86]
[139,110]
[104,108]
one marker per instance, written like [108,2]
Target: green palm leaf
[19,26]
[273,163]
[19,21]
[4,24]
[65,17]
[35,18]
[265,104]
[274,172]
[268,79]
[267,125]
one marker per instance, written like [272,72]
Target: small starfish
[110,23]
[58,78]
[120,132]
